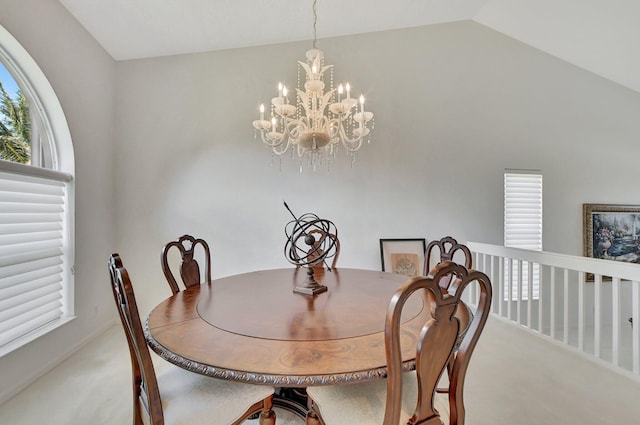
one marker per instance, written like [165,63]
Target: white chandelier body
[320,121]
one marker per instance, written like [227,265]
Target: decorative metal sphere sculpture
[310,241]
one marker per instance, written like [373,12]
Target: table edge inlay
[269,379]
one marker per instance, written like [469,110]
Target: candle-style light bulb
[280,90]
[262,112]
[273,124]
[362,107]
[340,91]
[348,87]
[284,93]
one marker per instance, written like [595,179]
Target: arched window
[36,202]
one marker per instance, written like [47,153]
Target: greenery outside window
[15,124]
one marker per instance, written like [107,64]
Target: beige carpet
[91,387]
[515,378]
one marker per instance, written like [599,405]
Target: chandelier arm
[334,126]
[279,141]
[293,130]
[349,143]
[270,143]
[284,147]
[325,123]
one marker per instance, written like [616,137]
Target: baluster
[540,296]
[597,320]
[581,311]
[519,292]
[509,288]
[565,336]
[529,292]
[495,305]
[615,320]
[552,301]
[635,295]
[501,285]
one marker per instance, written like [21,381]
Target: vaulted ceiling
[600,36]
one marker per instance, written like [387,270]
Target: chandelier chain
[315,19]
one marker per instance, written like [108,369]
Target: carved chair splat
[189,268]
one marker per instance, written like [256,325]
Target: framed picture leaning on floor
[403,256]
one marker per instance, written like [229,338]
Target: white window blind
[523,225]
[33,236]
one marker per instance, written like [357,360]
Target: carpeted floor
[91,387]
[515,378]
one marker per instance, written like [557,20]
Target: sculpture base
[306,290]
[311,285]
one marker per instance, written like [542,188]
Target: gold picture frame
[612,232]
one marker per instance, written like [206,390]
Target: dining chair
[177,396]
[411,397]
[448,247]
[189,267]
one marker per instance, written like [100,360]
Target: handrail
[628,271]
[605,295]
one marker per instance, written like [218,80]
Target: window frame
[536,225]
[50,135]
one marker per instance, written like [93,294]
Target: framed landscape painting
[403,256]
[612,232]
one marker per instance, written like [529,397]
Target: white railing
[587,304]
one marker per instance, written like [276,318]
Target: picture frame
[403,256]
[612,232]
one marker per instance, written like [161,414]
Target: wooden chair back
[447,247]
[189,267]
[147,403]
[436,343]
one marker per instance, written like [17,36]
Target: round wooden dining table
[253,328]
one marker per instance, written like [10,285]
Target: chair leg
[268,417]
[312,418]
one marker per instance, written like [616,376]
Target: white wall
[455,105]
[82,75]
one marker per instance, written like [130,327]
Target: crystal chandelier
[320,120]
